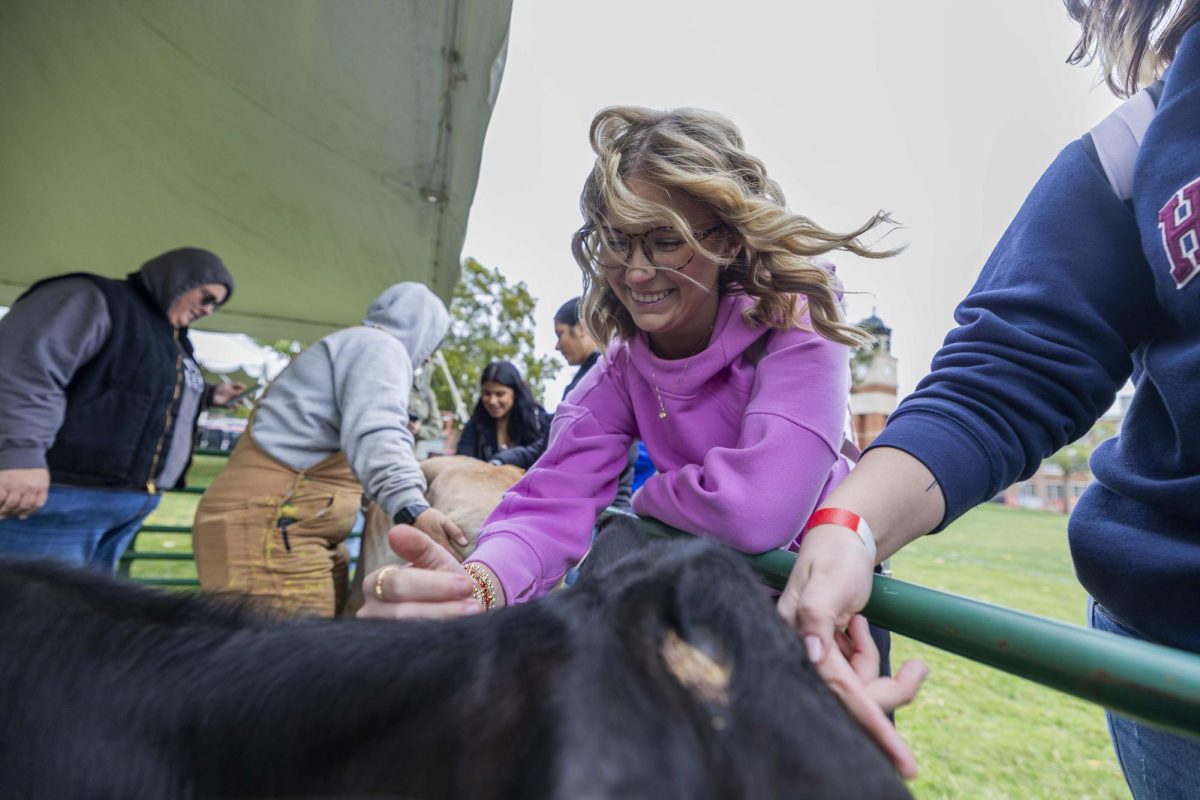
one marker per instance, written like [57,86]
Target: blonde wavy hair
[1134,40]
[766,251]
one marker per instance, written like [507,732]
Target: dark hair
[524,420]
[1134,39]
[568,313]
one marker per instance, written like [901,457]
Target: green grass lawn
[175,509]
[977,732]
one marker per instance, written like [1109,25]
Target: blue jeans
[1157,765]
[80,527]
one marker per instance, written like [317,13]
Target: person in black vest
[99,402]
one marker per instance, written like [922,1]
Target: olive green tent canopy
[323,148]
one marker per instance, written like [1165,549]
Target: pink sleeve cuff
[516,566]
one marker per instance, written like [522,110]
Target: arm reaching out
[831,581]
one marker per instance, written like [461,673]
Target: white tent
[323,149]
[225,354]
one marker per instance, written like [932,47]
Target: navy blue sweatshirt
[1081,293]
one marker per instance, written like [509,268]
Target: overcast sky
[943,113]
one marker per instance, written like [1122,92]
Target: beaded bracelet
[485,589]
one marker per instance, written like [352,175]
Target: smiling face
[574,343]
[676,308]
[197,302]
[497,399]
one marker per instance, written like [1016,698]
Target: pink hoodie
[750,444]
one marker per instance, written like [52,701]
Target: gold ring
[379,581]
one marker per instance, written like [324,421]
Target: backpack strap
[1113,144]
[755,352]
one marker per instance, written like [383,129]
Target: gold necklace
[662,410]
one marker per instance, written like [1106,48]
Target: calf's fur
[663,673]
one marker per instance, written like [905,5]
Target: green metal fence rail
[1152,683]
[1156,684]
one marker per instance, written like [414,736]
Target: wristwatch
[407,515]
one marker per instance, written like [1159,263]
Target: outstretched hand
[851,670]
[830,582]
[432,584]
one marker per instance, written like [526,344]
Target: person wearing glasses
[99,401]
[728,357]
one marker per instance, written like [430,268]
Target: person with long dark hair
[506,416]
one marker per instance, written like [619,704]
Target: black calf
[664,673]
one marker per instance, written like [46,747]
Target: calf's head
[685,658]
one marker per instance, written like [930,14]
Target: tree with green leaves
[490,319]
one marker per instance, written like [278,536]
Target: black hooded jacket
[121,405]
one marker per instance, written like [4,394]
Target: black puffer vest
[122,404]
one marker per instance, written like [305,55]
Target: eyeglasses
[663,247]
[208,300]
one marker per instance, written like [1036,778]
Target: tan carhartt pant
[268,531]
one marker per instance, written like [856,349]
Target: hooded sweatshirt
[166,278]
[349,392]
[60,325]
[174,272]
[750,443]
[1082,292]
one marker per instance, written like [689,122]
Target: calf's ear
[684,606]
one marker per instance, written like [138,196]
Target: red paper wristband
[845,519]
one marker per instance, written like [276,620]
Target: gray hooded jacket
[349,392]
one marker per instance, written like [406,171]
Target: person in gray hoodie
[332,427]
[98,403]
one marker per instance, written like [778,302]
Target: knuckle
[810,609]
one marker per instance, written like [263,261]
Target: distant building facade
[873,391]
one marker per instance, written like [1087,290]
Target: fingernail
[472,606]
[812,644]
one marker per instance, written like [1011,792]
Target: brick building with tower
[873,392]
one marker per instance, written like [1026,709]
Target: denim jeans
[78,526]
[1157,765]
